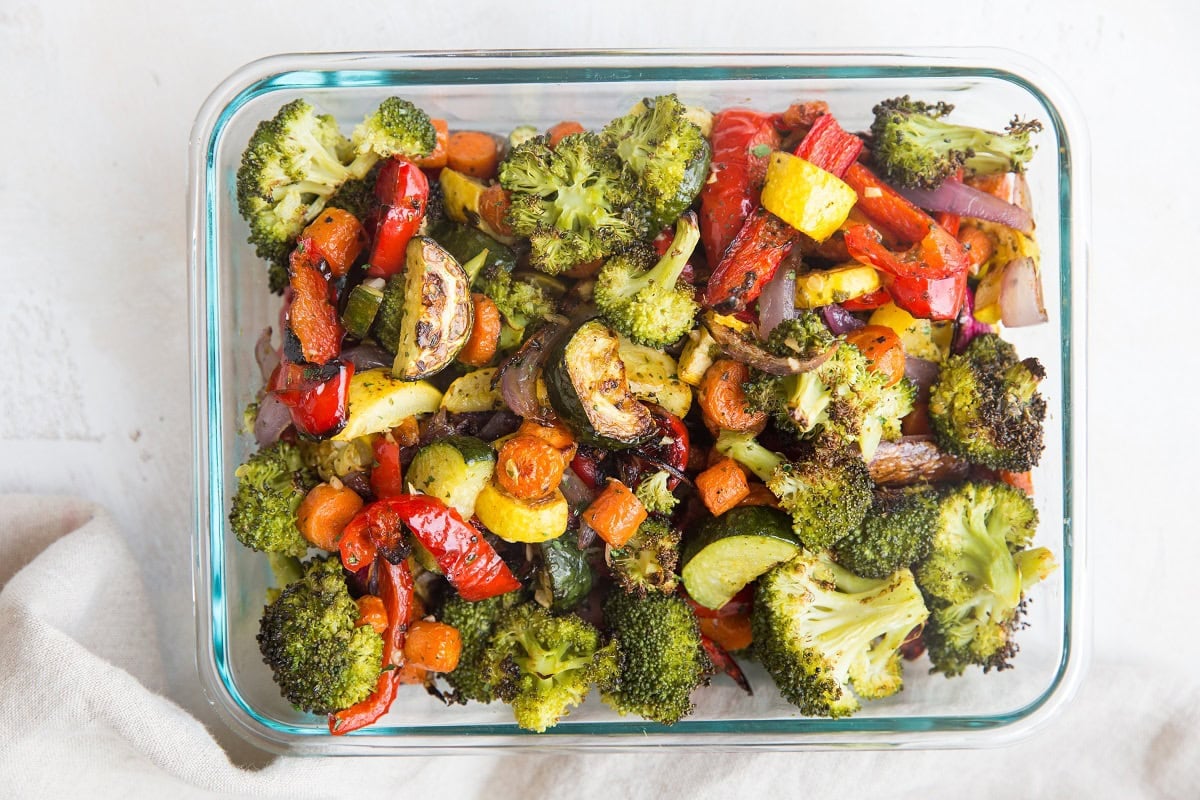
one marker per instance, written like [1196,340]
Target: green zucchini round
[454,470]
[733,549]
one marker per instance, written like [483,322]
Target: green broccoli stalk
[646,563]
[977,574]
[913,145]
[271,485]
[896,532]
[647,304]
[827,491]
[576,202]
[543,665]
[655,493]
[395,128]
[475,621]
[662,658]
[985,406]
[321,660]
[668,153]
[820,630]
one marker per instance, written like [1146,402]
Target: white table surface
[98,99]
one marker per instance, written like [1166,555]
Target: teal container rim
[336,70]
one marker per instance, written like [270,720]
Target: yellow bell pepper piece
[987,296]
[919,337]
[824,286]
[1008,244]
[808,198]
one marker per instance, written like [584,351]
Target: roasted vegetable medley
[613,409]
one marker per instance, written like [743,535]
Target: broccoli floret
[518,300]
[977,574]
[649,305]
[308,638]
[331,458]
[662,658]
[357,196]
[647,561]
[985,406]
[915,146]
[271,485]
[667,152]
[827,490]
[896,532]
[543,665]
[290,168]
[819,630]
[395,128]
[576,202]
[804,336]
[842,396]
[475,621]
[655,493]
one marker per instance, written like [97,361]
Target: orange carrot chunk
[616,514]
[434,646]
[473,153]
[485,333]
[324,512]
[722,486]
[436,159]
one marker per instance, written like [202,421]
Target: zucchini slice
[438,313]
[362,305]
[733,549]
[516,520]
[587,387]
[473,392]
[378,402]
[564,576]
[653,376]
[454,470]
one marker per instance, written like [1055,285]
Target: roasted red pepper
[937,255]
[403,190]
[742,141]
[949,222]
[387,478]
[724,663]
[886,208]
[740,604]
[752,258]
[396,591]
[312,314]
[470,564]
[936,299]
[316,396]
[868,302]
[829,147]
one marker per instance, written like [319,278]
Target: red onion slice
[265,355]
[921,371]
[1021,295]
[967,201]
[578,493]
[518,376]
[273,419]
[367,356]
[839,320]
[968,326]
[777,301]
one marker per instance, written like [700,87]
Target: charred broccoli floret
[827,491]
[271,485]
[395,128]
[977,573]
[842,396]
[985,406]
[819,630]
[646,563]
[668,153]
[576,202]
[915,146]
[655,493]
[518,300]
[543,665]
[320,659]
[662,658]
[475,621]
[896,532]
[644,300]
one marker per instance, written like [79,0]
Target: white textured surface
[98,100]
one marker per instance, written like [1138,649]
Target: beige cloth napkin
[79,661]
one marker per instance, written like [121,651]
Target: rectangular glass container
[495,91]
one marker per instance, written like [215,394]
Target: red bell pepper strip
[318,403]
[949,222]
[724,663]
[868,302]
[829,147]
[312,314]
[936,299]
[387,477]
[738,605]
[936,255]
[403,190]
[396,591]
[886,208]
[749,263]
[470,564]
[742,141]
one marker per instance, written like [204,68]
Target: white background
[97,100]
